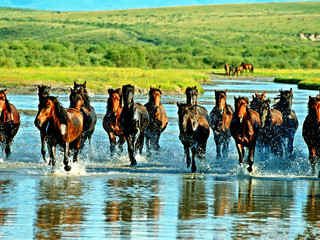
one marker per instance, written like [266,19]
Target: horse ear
[256,93]
[264,94]
[109,91]
[310,97]
[290,89]
[5,92]
[159,87]
[226,91]
[49,87]
[178,104]
[85,84]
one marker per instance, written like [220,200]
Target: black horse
[192,98]
[158,120]
[134,120]
[290,120]
[43,93]
[194,133]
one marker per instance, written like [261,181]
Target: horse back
[276,117]
[203,130]
[141,114]
[75,124]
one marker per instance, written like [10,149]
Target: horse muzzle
[38,123]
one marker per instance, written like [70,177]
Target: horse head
[128,94]
[264,109]
[221,100]
[285,100]
[155,96]
[114,100]
[241,107]
[256,100]
[76,99]
[82,88]
[187,117]
[4,103]
[314,107]
[192,95]
[43,91]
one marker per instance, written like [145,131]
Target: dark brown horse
[247,66]
[111,123]
[311,130]
[238,70]
[194,133]
[271,128]
[80,100]
[43,93]
[220,119]
[158,120]
[64,128]
[226,68]
[256,100]
[244,128]
[9,122]
[290,120]
[134,120]
[192,98]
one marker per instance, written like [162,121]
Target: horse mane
[8,105]
[59,109]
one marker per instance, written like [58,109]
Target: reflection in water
[59,209]
[132,200]
[5,212]
[312,211]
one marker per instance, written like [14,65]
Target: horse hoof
[194,169]
[249,169]
[133,163]
[67,168]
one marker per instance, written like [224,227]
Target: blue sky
[95,5]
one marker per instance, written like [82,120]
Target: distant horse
[311,130]
[244,128]
[158,120]
[247,66]
[9,122]
[270,134]
[192,98]
[290,120]
[219,120]
[238,70]
[80,100]
[111,123]
[64,128]
[231,70]
[43,93]
[134,120]
[194,133]
[226,68]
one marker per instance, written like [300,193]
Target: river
[160,198]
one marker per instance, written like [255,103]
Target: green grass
[99,79]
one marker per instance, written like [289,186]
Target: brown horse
[134,120]
[194,133]
[226,68]
[247,66]
[311,130]
[256,100]
[80,100]
[220,119]
[111,123]
[9,122]
[43,93]
[192,98]
[238,70]
[64,128]
[290,120]
[158,120]
[244,128]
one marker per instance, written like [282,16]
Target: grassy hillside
[269,35]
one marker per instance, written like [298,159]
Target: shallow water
[104,197]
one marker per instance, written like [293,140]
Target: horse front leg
[67,167]
[148,143]
[121,141]
[240,150]
[113,142]
[131,149]
[187,154]
[8,142]
[250,157]
[312,158]
[43,144]
[217,140]
[194,153]
[52,154]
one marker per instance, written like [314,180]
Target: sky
[97,5]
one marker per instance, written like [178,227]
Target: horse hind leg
[67,167]
[140,141]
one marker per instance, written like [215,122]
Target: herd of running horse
[254,124]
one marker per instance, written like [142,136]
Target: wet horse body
[111,123]
[311,130]
[244,128]
[219,120]
[158,120]
[290,120]
[64,128]
[270,133]
[43,93]
[194,133]
[80,100]
[134,120]
[9,122]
